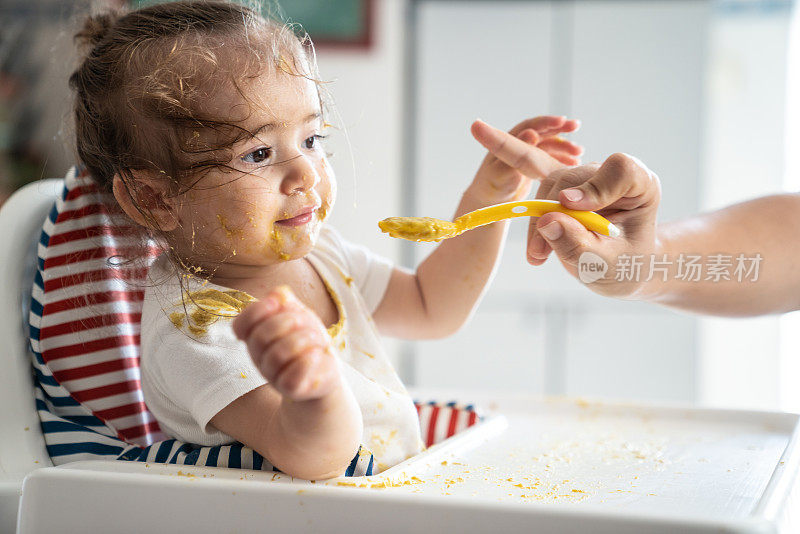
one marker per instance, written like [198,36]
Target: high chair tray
[545,465]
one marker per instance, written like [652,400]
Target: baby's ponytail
[95,30]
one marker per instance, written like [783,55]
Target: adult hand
[623,190]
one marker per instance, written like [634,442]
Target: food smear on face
[207,306]
[276,244]
[230,232]
[419,228]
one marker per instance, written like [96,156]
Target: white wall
[367,89]
[745,117]
[613,64]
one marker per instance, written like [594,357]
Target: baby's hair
[146,74]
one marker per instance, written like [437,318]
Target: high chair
[549,465]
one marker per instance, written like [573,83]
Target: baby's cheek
[327,189]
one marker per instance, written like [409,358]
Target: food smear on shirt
[176,318]
[206,306]
[336,329]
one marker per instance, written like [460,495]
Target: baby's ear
[146,198]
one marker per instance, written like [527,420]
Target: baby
[262,324]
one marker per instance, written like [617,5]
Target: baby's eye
[257,156]
[313,141]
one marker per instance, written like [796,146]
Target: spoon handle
[535,208]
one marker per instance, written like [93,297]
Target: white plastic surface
[21,444]
[558,466]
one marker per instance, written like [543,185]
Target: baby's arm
[439,297]
[305,421]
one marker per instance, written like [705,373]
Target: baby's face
[270,207]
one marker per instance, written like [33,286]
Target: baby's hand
[534,149]
[289,345]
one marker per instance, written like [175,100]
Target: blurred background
[700,90]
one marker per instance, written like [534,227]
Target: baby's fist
[289,345]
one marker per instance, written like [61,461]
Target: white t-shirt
[187,378]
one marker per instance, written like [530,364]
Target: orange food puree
[419,228]
[207,306]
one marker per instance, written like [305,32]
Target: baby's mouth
[300,219]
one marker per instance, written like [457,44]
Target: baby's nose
[301,177]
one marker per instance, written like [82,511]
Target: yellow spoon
[430,229]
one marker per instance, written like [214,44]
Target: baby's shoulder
[190,310]
[204,311]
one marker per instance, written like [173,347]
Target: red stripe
[92,299]
[90,254]
[106,391]
[81,349]
[473,418]
[94,276]
[139,430]
[81,190]
[90,231]
[89,323]
[125,410]
[451,428]
[432,426]
[86,371]
[91,209]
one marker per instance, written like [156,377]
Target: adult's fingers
[514,152]
[538,248]
[620,176]
[567,237]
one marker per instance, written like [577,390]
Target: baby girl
[261,324]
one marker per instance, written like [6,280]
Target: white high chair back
[22,447]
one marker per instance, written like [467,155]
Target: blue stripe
[191,458]
[213,457]
[83,448]
[258,461]
[163,451]
[46,380]
[185,448]
[235,457]
[36,308]
[370,466]
[352,467]
[53,215]
[34,333]
[85,420]
[132,454]
[62,401]
[38,278]
[63,426]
